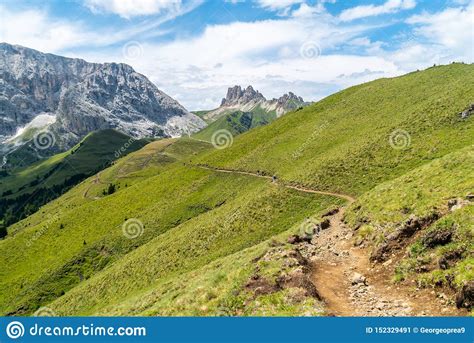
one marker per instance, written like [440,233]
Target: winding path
[94,181]
[335,261]
[351,286]
[349,198]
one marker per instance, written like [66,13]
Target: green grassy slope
[420,193]
[47,179]
[217,288]
[342,143]
[406,129]
[95,150]
[254,214]
[72,239]
[236,123]
[202,114]
[382,209]
[201,226]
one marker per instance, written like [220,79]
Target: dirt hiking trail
[301,189]
[351,286]
[345,279]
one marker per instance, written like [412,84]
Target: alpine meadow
[148,183]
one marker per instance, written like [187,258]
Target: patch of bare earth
[346,279]
[351,285]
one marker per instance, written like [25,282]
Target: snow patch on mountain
[83,97]
[39,122]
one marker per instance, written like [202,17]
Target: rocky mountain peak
[248,99]
[289,101]
[238,96]
[84,97]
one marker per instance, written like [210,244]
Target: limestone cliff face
[236,95]
[84,97]
[249,99]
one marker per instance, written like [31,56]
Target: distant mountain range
[251,100]
[73,97]
[69,98]
[246,108]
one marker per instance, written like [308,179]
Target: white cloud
[438,38]
[452,28]
[34,29]
[305,11]
[132,8]
[278,4]
[391,6]
[266,54]
[360,41]
[196,70]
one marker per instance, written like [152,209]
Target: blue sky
[193,50]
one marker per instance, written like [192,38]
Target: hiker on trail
[274,178]
[317,229]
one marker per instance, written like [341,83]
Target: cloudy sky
[193,50]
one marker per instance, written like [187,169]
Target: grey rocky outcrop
[238,96]
[289,101]
[84,97]
[248,97]
[467,112]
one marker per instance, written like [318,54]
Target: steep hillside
[193,230]
[236,123]
[72,239]
[24,190]
[355,139]
[430,213]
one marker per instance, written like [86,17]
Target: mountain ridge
[84,97]
[58,173]
[248,100]
[236,95]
